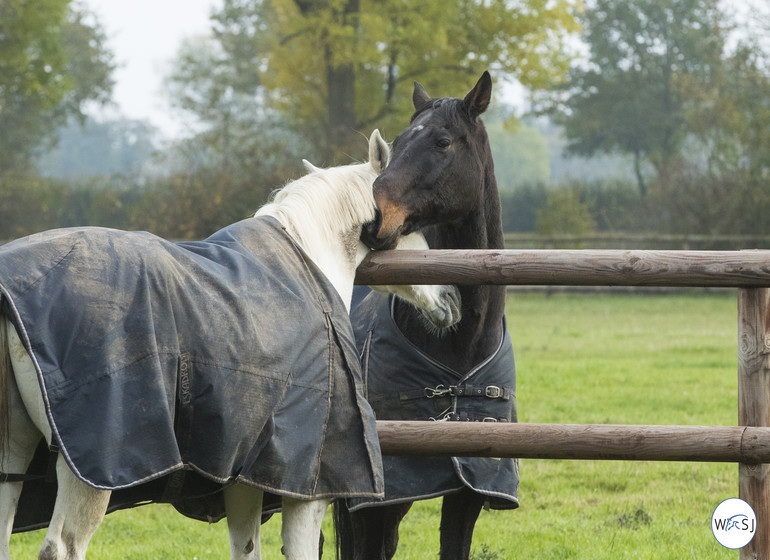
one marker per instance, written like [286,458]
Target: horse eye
[443,142]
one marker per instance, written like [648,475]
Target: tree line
[680,90]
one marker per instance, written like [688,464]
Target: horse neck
[333,253]
[478,334]
[336,259]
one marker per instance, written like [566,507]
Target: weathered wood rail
[719,444]
[748,443]
[727,269]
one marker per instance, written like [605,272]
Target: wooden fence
[748,443]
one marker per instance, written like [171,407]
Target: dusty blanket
[229,358]
[403,383]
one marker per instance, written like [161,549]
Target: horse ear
[478,98]
[309,167]
[379,152]
[419,96]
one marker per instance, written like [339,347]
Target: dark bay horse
[441,181]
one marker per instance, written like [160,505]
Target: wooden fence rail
[729,269]
[718,444]
[747,443]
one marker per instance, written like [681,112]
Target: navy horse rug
[171,369]
[404,383]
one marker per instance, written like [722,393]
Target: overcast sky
[145,36]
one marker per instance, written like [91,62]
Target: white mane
[326,206]
[325,210]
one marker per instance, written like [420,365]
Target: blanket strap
[15,477]
[484,391]
[50,473]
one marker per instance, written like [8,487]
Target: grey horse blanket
[403,383]
[232,359]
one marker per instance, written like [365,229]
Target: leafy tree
[52,60]
[645,56]
[564,213]
[722,187]
[734,131]
[335,69]
[238,135]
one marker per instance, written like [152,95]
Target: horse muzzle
[389,223]
[371,234]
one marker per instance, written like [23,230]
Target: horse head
[438,161]
[440,305]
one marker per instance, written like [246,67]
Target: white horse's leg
[77,514]
[27,384]
[243,505]
[301,527]
[14,457]
[79,509]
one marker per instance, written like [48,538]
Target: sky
[145,35]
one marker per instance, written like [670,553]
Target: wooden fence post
[754,408]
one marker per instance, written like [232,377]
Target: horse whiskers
[434,330]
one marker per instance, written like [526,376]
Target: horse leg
[14,458]
[459,513]
[79,508]
[369,533]
[301,526]
[17,447]
[78,511]
[243,505]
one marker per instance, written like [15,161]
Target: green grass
[580,359]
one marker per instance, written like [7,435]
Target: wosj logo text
[734,523]
[739,522]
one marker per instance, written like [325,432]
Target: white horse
[324,213]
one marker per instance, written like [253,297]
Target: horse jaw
[439,305]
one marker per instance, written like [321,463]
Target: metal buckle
[493,392]
[439,391]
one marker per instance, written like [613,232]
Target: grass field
[668,359]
